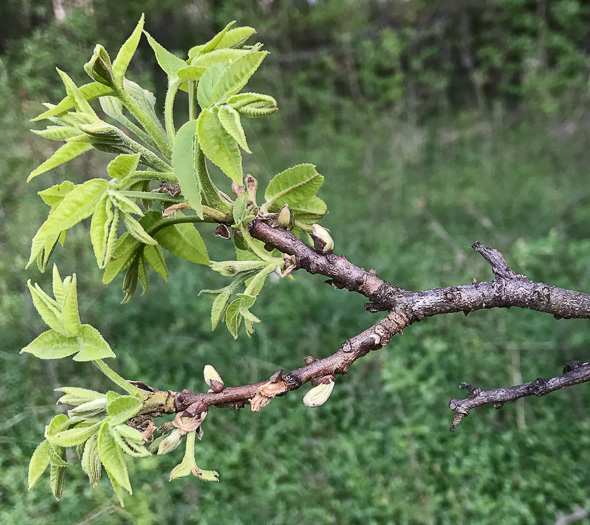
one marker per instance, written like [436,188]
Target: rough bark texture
[404,308]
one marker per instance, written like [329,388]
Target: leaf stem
[169,109]
[153,175]
[151,196]
[192,109]
[118,380]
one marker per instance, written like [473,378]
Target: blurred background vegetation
[436,124]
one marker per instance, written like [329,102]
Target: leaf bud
[319,394]
[284,217]
[170,442]
[322,240]
[99,67]
[210,374]
[233,268]
[253,104]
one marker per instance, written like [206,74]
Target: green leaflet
[71,317]
[130,441]
[52,345]
[73,436]
[236,76]
[240,210]
[57,476]
[40,460]
[57,286]
[93,345]
[294,186]
[112,458]
[184,241]
[91,463]
[126,52]
[55,194]
[219,145]
[169,62]
[184,165]
[81,104]
[154,255]
[89,345]
[77,396]
[57,132]
[212,44]
[102,227]
[236,37]
[121,257]
[89,91]
[217,57]
[230,120]
[208,82]
[253,104]
[67,152]
[116,488]
[123,166]
[135,228]
[124,204]
[122,409]
[77,205]
[48,309]
[220,304]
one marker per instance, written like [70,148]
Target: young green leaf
[78,396]
[126,52]
[39,463]
[57,286]
[55,194]
[121,258]
[65,153]
[240,208]
[73,436]
[135,228]
[124,204]
[113,107]
[52,345]
[112,457]
[48,308]
[208,82]
[294,186]
[89,91]
[253,104]
[130,441]
[236,76]
[154,255]
[236,38]
[220,304]
[212,44]
[230,120]
[122,409]
[77,205]
[100,228]
[169,62]
[82,105]
[93,345]
[218,56]
[71,317]
[57,132]
[123,166]
[184,241]
[57,478]
[91,463]
[183,162]
[219,145]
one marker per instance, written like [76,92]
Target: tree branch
[574,374]
[404,307]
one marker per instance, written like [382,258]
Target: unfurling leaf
[122,409]
[135,228]
[253,104]
[78,396]
[236,76]
[99,67]
[91,463]
[73,436]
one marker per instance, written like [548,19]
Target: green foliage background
[435,125]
